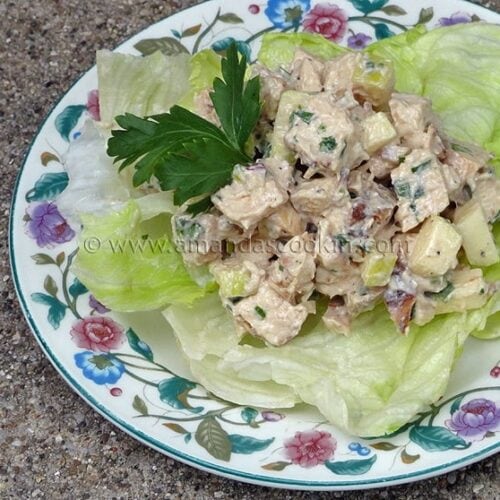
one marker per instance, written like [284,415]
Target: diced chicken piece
[284,222]
[236,277]
[252,196]
[342,280]
[281,171]
[394,153]
[467,289]
[256,250]
[307,72]
[199,238]
[337,318]
[487,193]
[363,299]
[420,187]
[272,86]
[410,113]
[358,180]
[425,306]
[459,170]
[383,239]
[316,196]
[204,106]
[379,167]
[323,135]
[338,73]
[372,210]
[424,310]
[293,273]
[432,284]
[332,245]
[269,316]
[429,140]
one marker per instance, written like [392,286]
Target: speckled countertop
[52,445]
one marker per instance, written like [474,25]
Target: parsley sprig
[185,152]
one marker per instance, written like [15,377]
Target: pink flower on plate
[97,333]
[328,20]
[93,105]
[311,448]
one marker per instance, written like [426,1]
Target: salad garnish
[186,152]
[334,236]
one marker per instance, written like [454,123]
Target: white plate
[133,384]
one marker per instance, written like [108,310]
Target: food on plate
[314,228]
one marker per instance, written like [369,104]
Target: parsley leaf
[201,167]
[184,151]
[237,105]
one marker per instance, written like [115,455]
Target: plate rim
[162,447]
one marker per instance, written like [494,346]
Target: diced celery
[232,282]
[377,269]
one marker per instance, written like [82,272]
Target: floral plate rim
[164,447]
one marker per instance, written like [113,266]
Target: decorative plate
[132,374]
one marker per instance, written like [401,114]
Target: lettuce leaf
[278,49]
[205,68]
[142,86]
[95,186]
[226,384]
[127,270]
[457,67]
[369,383]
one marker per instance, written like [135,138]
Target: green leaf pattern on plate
[190,411]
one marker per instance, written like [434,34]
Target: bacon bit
[358,211]
[400,306]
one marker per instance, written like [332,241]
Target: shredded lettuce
[126,269]
[278,49]
[142,86]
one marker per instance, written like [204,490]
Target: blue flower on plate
[100,368]
[287,13]
[222,45]
[457,18]
[359,449]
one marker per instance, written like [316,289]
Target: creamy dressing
[355,171]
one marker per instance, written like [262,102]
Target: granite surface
[52,445]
